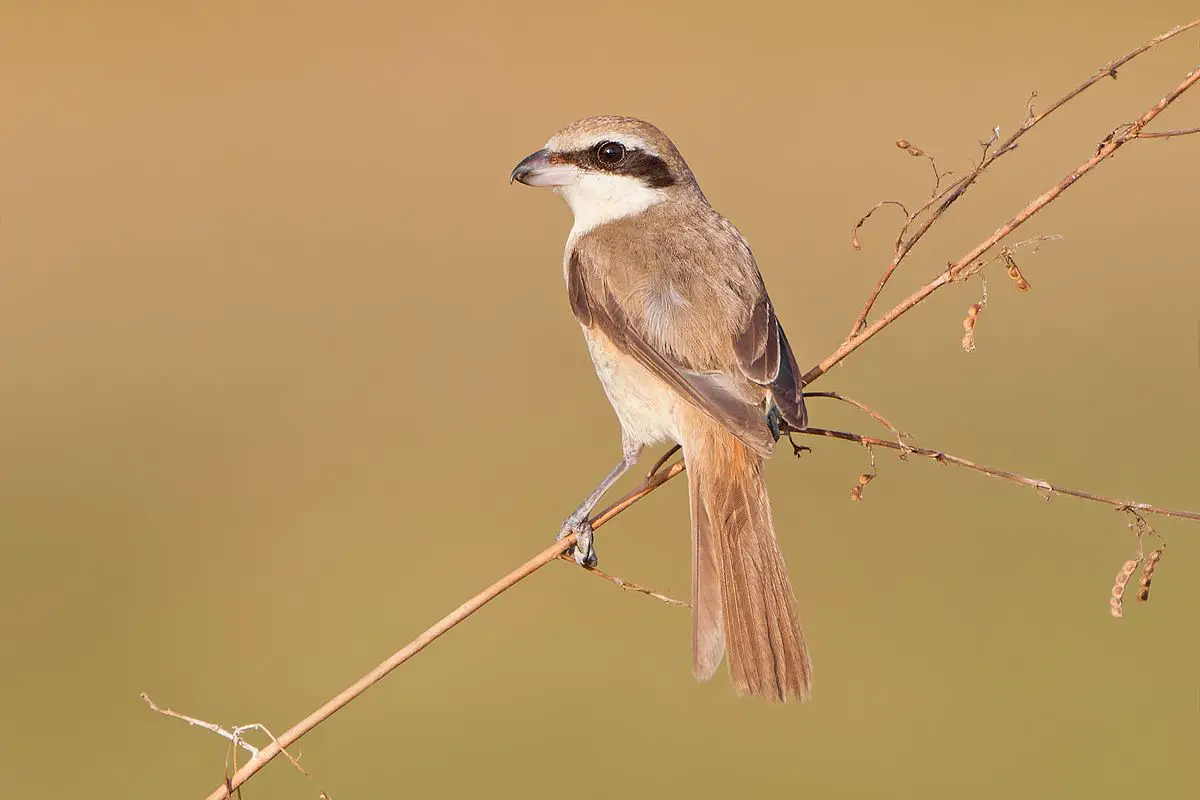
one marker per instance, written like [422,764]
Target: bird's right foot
[583,549]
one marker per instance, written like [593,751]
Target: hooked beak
[536,169]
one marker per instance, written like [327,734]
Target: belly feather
[647,408]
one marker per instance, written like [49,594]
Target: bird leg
[578,523]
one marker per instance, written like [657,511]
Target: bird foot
[583,549]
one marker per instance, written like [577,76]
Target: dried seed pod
[1118,589]
[863,480]
[1014,272]
[968,340]
[1148,574]
[903,144]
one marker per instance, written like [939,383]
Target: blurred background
[287,371]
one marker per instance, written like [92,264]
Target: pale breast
[647,408]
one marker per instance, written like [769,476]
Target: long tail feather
[742,601]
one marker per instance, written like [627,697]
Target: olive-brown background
[287,372]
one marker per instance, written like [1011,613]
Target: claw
[585,553]
[582,550]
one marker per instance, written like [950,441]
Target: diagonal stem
[1033,483]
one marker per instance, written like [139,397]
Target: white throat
[598,198]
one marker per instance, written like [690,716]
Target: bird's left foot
[583,550]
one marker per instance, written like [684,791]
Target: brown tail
[742,600]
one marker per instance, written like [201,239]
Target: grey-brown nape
[646,167]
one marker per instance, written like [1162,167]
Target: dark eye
[610,153]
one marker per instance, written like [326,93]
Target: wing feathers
[710,392]
[787,388]
[757,346]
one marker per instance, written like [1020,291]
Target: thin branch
[875,415]
[1167,134]
[953,271]
[629,586]
[663,459]
[1040,485]
[959,187]
[863,221]
[236,740]
[233,736]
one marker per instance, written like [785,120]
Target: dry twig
[629,586]
[875,415]
[234,736]
[1044,487]
[1167,134]
[236,741]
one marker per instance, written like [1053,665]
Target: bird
[689,350]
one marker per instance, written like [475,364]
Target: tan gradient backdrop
[287,372]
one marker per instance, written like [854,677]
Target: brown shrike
[688,348]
